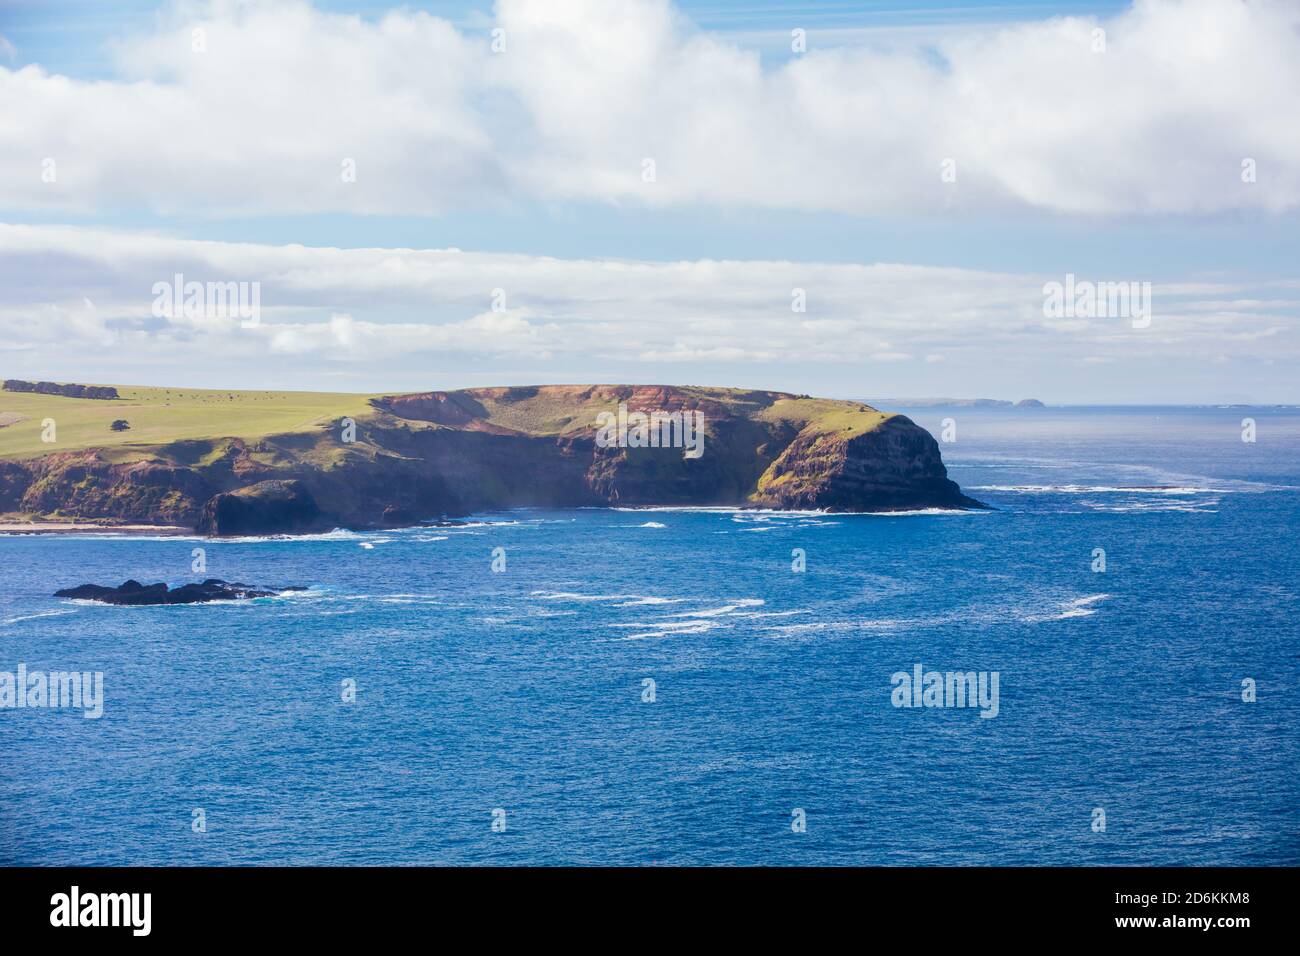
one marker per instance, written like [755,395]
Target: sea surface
[519,698]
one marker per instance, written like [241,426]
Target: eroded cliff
[418,457]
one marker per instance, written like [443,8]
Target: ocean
[662,687]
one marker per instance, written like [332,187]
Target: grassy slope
[159,416]
[162,415]
[555,413]
[841,418]
[546,414]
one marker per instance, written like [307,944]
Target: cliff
[225,462]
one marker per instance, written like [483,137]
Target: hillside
[160,416]
[231,462]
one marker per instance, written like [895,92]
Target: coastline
[153,530]
[282,467]
[79,527]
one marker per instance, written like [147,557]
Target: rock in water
[134,593]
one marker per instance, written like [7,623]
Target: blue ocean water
[522,691]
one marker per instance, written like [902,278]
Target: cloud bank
[80,303]
[266,105]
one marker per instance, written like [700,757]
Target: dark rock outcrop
[106,392]
[268,507]
[133,593]
[895,467]
[82,484]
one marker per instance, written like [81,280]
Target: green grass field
[844,419]
[159,416]
[559,410]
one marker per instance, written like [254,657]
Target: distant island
[957,403]
[251,462]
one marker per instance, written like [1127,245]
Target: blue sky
[1152,195]
[67,35]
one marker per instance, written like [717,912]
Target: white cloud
[384,317]
[263,119]
[344,338]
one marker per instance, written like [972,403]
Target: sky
[847,199]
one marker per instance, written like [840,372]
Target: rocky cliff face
[268,507]
[895,466]
[83,485]
[440,454]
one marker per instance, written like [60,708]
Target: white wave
[809,628]
[652,524]
[32,617]
[306,594]
[686,626]
[1077,607]
[887,624]
[1184,505]
[1103,489]
[338,534]
[880,624]
[619,600]
[725,609]
[1161,477]
[916,511]
[666,630]
[478,524]
[574,596]
[719,510]
[967,459]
